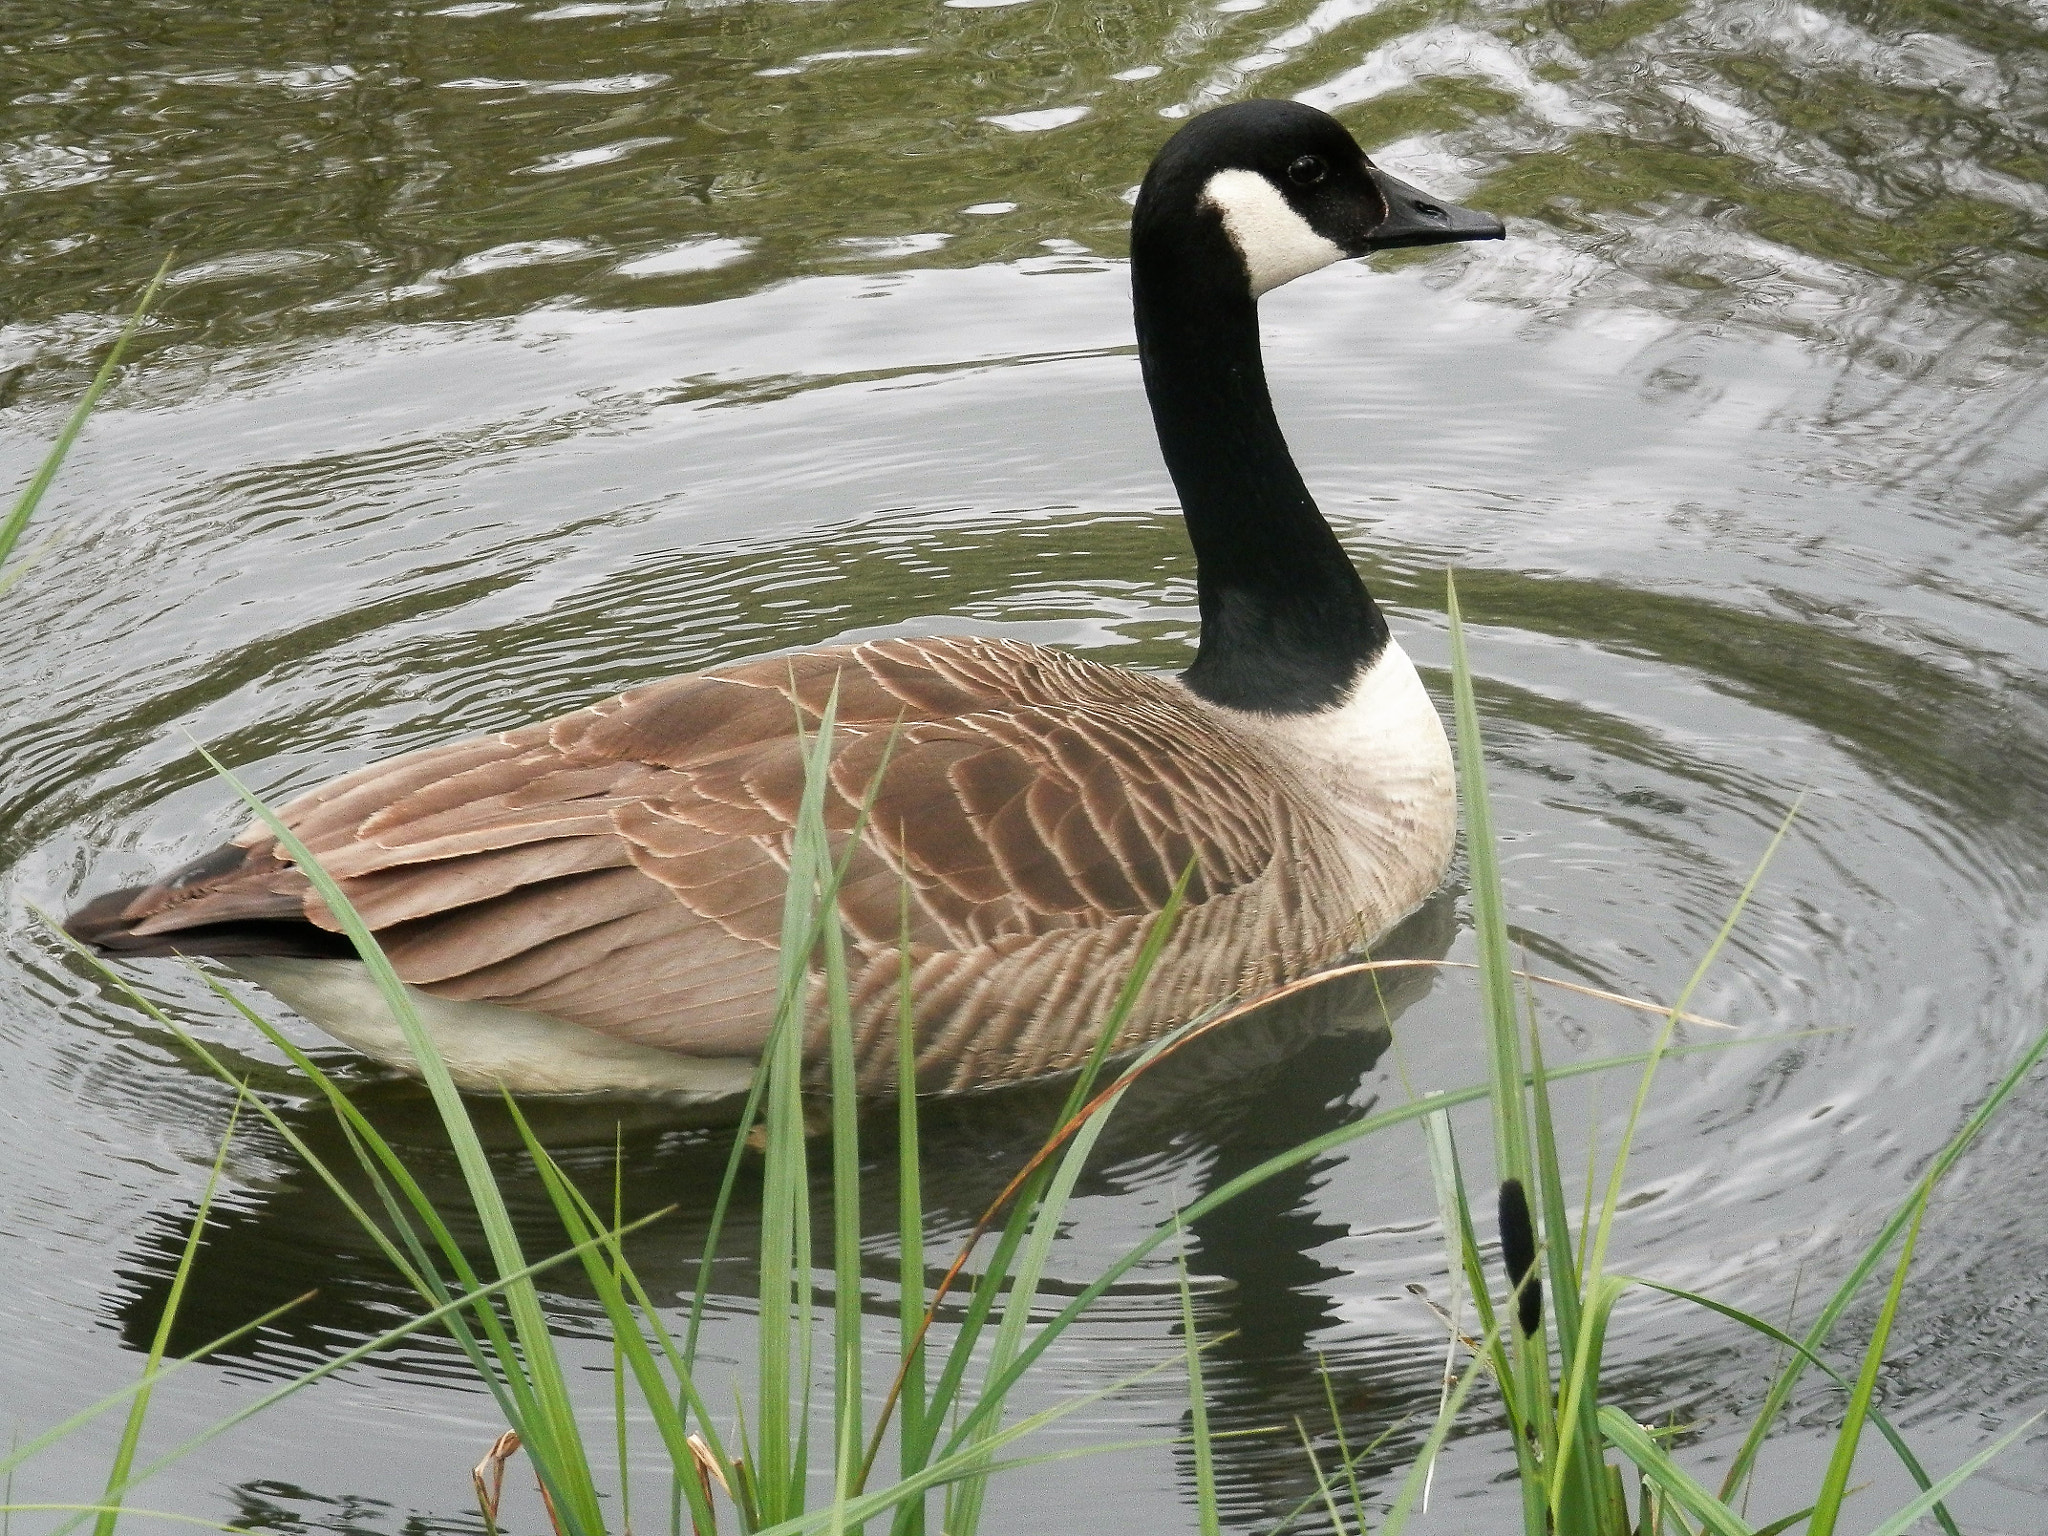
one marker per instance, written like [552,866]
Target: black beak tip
[1414,218]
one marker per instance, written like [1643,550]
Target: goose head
[1259,193]
[1239,201]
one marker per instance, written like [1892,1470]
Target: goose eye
[1307,171]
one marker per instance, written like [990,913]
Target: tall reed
[1544,1340]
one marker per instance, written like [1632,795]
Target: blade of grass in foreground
[1778,1336]
[551,1434]
[909,1227]
[783,1327]
[1583,1375]
[1447,1415]
[1039,1211]
[1527,1382]
[19,1452]
[346,1358]
[131,1432]
[1198,1413]
[1021,1197]
[25,506]
[847,1276]
[1489,912]
[611,1276]
[395,1186]
[1788,1378]
[380,1164]
[1898,1523]
[79,1511]
[1630,1438]
[1272,1167]
[1834,1487]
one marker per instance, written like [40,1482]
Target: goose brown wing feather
[623,867]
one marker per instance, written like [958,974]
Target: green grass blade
[31,497]
[1630,1438]
[1466,1265]
[379,1161]
[327,1368]
[1528,1385]
[1900,1522]
[1044,1224]
[656,1405]
[1026,1206]
[361,1135]
[604,1262]
[1419,1472]
[1475,1280]
[981,1302]
[1489,913]
[782,1341]
[1198,1415]
[552,1438]
[1346,1460]
[1156,934]
[1272,1167]
[19,1453]
[1026,1203]
[80,1511]
[1353,1461]
[1834,1485]
[392,1181]
[847,1275]
[964,1514]
[1323,1489]
[1603,1228]
[1784,1523]
[750,1112]
[1778,1335]
[972,1462]
[1575,1501]
[138,1409]
[1580,1485]
[1831,1313]
[909,1230]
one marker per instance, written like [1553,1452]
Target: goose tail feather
[189,913]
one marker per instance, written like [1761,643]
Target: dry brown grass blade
[488,1477]
[708,1472]
[548,1501]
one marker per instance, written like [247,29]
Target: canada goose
[592,903]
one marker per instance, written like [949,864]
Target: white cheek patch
[1278,244]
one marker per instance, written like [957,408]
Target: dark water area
[515,353]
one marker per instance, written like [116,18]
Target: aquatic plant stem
[31,497]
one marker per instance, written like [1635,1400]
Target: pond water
[516,352]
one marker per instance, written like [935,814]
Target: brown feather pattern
[623,867]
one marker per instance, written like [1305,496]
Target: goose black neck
[1287,626]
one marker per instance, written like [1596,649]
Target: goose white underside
[488,1046]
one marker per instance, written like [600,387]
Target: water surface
[515,353]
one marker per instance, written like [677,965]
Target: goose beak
[1415,218]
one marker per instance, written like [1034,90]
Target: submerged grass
[1541,1342]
